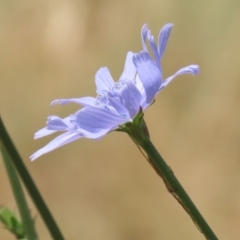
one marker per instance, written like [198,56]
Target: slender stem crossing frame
[175,188]
[28,222]
[29,183]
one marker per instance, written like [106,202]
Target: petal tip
[140,57]
[33,157]
[168,25]
[196,70]
[57,101]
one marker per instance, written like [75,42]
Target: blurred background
[106,190]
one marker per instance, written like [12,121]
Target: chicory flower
[117,103]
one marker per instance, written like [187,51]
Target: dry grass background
[105,190]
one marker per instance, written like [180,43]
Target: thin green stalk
[27,220]
[175,188]
[29,184]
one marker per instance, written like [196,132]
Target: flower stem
[28,222]
[29,183]
[175,188]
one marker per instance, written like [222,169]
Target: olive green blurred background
[106,190]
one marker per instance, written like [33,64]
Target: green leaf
[12,223]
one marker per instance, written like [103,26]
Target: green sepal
[137,129]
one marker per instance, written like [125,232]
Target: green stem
[27,220]
[175,188]
[29,184]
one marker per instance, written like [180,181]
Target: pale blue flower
[117,102]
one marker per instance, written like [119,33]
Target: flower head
[117,103]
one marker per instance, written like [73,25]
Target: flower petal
[89,122]
[163,38]
[116,103]
[132,98]
[144,33]
[103,80]
[95,120]
[85,101]
[154,49]
[191,69]
[56,143]
[56,123]
[43,132]
[129,71]
[141,89]
[127,99]
[149,74]
[139,86]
